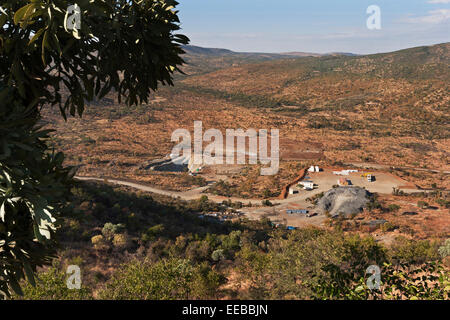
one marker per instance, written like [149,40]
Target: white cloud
[439,1]
[433,17]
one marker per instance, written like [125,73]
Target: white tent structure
[314,169]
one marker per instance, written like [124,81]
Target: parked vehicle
[309,215]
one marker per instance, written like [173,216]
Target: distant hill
[342,54]
[206,51]
[202,60]
[410,86]
[428,62]
[301,54]
[309,54]
[196,50]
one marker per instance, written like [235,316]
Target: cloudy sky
[314,26]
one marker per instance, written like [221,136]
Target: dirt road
[324,180]
[192,194]
[278,213]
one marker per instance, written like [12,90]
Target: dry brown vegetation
[389,109]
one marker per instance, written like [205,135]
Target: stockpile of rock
[344,200]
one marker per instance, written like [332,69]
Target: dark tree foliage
[125,46]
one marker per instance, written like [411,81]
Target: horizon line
[315,53]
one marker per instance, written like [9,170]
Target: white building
[307,185]
[314,169]
[293,191]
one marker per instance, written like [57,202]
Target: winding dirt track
[196,193]
[192,194]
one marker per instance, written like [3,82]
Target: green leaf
[37,233]
[359,289]
[20,14]
[44,45]
[55,41]
[3,19]
[36,36]
[15,286]
[29,274]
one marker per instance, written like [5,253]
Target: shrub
[218,255]
[393,207]
[99,242]
[109,230]
[267,194]
[266,203]
[428,281]
[122,241]
[422,204]
[168,279]
[153,232]
[414,251]
[444,250]
[387,227]
[51,285]
[443,203]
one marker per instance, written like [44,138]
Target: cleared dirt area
[325,180]
[384,182]
[278,214]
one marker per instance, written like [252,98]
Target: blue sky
[314,26]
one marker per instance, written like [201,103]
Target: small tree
[393,207]
[422,204]
[444,250]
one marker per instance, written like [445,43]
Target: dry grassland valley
[363,179]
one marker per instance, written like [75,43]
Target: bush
[393,207]
[109,230]
[429,281]
[51,285]
[414,251]
[266,203]
[444,250]
[168,279]
[218,255]
[153,232]
[422,204]
[99,242]
[443,203]
[122,241]
[387,227]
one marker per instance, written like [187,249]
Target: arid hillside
[422,63]
[394,107]
[388,109]
[204,60]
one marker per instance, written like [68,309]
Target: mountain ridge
[193,49]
